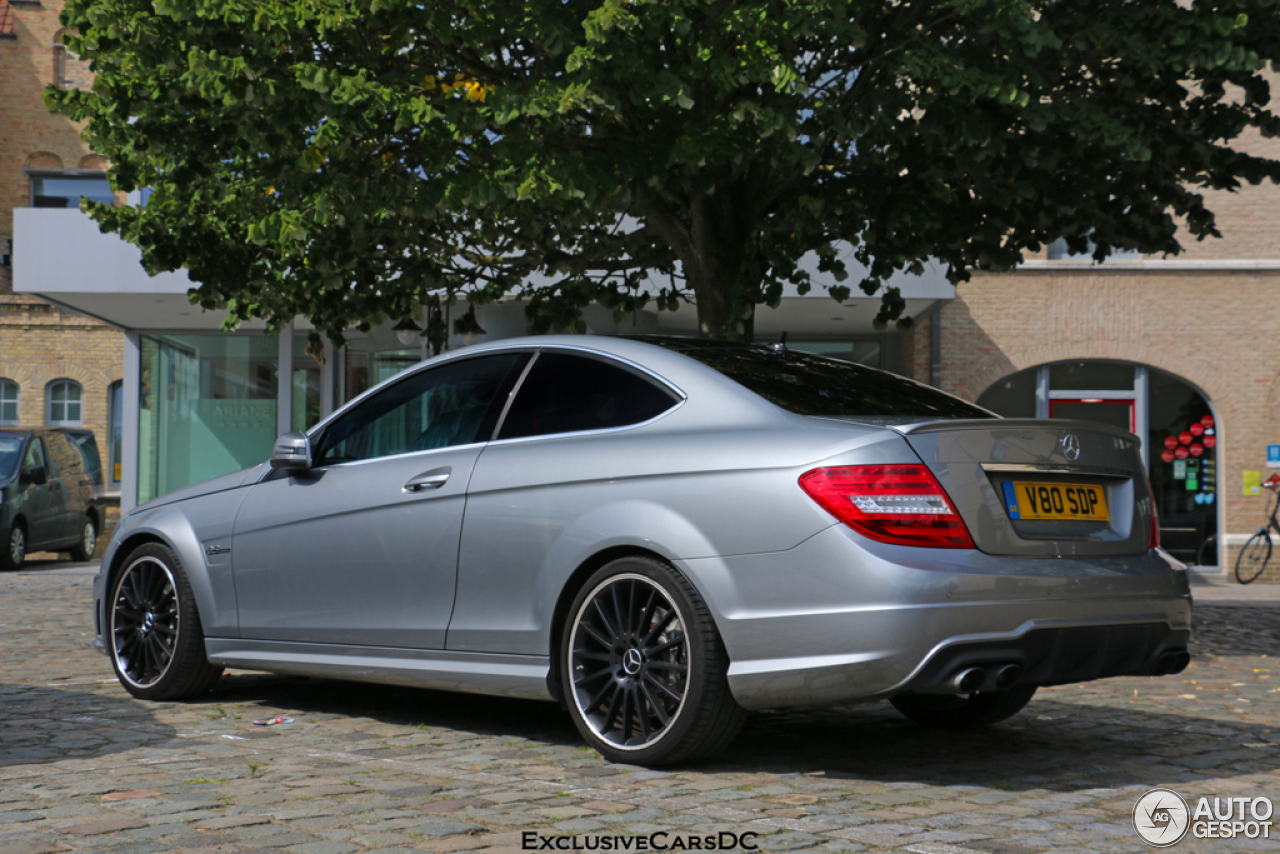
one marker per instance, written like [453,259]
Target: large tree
[349,160]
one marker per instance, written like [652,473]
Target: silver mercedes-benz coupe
[660,534]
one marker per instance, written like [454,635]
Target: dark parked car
[50,493]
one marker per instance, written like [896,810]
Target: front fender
[187,527]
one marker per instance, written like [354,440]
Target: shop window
[66,191]
[64,403]
[115,433]
[1174,421]
[207,406]
[8,402]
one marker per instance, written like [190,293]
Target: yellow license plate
[1034,500]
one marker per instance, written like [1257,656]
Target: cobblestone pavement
[83,767]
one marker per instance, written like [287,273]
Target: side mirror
[292,452]
[36,475]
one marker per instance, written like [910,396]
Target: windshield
[807,384]
[10,454]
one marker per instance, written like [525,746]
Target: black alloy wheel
[646,669]
[157,644]
[963,711]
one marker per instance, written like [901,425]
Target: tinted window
[566,393]
[84,442]
[454,404]
[812,385]
[35,457]
[65,458]
[10,453]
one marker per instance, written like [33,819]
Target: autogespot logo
[1161,818]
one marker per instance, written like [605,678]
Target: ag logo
[1161,818]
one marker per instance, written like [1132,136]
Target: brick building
[56,365]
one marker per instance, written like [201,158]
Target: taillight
[901,504]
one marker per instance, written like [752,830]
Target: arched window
[8,402]
[64,398]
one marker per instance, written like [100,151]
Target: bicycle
[1252,560]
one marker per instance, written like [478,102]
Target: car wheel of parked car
[157,643]
[645,669]
[15,548]
[83,550]
[963,711]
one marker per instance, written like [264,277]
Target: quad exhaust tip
[995,677]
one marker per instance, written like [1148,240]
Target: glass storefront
[1175,422]
[207,407]
[306,386]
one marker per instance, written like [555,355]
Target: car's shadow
[1055,744]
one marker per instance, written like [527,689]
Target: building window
[8,402]
[207,406]
[66,191]
[65,403]
[1058,251]
[68,71]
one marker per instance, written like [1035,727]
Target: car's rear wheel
[14,553]
[154,632]
[964,711]
[645,669]
[83,550]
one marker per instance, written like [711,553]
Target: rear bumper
[841,619]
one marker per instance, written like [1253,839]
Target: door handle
[433,479]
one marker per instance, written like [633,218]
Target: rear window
[807,384]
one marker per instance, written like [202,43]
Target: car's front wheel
[14,552]
[964,711]
[645,669]
[154,632]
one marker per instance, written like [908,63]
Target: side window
[65,458]
[568,393]
[35,456]
[454,404]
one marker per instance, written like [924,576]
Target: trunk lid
[1041,488]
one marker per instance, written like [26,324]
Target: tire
[959,711]
[13,551]
[645,670]
[154,634]
[1253,558]
[83,551]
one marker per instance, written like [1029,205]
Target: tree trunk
[717,269]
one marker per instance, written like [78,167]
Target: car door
[362,548]
[44,503]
